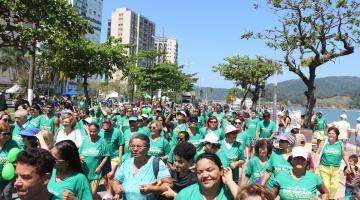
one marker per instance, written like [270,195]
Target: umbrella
[70,92]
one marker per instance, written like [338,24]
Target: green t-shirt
[158,148]
[266,130]
[114,139]
[145,129]
[255,170]
[201,121]
[302,189]
[251,125]
[77,184]
[276,164]
[175,132]
[244,140]
[17,129]
[34,121]
[10,144]
[320,123]
[331,154]
[235,153]
[93,154]
[219,132]
[118,120]
[124,124]
[82,105]
[196,140]
[194,192]
[46,123]
[219,116]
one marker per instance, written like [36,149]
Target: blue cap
[29,132]
[133,119]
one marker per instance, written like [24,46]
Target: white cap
[88,120]
[211,138]
[145,116]
[230,128]
[358,119]
[343,116]
[300,152]
[280,113]
[183,113]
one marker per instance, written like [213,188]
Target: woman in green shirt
[68,178]
[256,166]
[159,146]
[331,152]
[214,181]
[299,183]
[212,125]
[278,160]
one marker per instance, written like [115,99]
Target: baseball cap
[211,138]
[29,132]
[158,109]
[88,120]
[230,129]
[145,116]
[300,152]
[358,119]
[287,137]
[183,113]
[133,119]
[343,116]
[299,139]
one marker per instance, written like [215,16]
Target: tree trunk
[311,101]
[255,97]
[85,85]
[244,98]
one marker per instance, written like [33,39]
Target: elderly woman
[331,153]
[136,177]
[6,144]
[159,146]
[299,183]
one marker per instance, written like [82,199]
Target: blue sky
[208,31]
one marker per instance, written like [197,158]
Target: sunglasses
[153,127]
[238,123]
[212,122]
[193,121]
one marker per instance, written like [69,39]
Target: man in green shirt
[21,123]
[320,125]
[251,125]
[266,128]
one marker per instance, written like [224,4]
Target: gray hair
[21,113]
[142,137]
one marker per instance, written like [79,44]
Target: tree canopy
[250,74]
[311,33]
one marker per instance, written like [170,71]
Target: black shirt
[181,183]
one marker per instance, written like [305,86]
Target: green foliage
[83,58]
[42,20]
[166,76]
[247,72]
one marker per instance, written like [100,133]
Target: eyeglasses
[238,123]
[153,127]
[193,121]
[5,133]
[138,147]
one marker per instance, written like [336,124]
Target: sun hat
[287,137]
[211,138]
[230,128]
[343,116]
[29,132]
[300,152]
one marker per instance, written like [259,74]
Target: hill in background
[332,91]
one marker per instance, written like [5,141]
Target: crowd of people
[166,151]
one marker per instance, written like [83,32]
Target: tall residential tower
[168,47]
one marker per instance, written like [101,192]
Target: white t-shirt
[74,136]
[343,127]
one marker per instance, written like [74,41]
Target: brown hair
[254,190]
[4,127]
